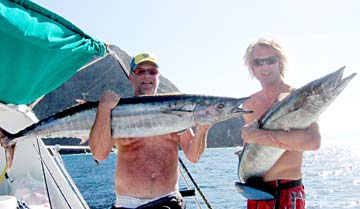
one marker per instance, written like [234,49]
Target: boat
[41,51]
[37,177]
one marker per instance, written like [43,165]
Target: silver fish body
[297,111]
[138,116]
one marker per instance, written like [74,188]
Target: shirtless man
[266,62]
[147,168]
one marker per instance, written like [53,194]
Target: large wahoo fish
[140,116]
[297,111]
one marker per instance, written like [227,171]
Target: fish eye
[220,106]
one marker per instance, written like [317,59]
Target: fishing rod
[195,184]
[189,187]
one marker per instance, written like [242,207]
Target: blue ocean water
[331,177]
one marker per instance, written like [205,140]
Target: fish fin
[179,113]
[7,144]
[181,132]
[286,128]
[251,192]
[238,153]
[282,96]
[97,162]
[83,140]
[80,101]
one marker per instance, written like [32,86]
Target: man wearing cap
[147,168]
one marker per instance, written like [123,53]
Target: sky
[200,44]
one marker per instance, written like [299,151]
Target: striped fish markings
[140,116]
[297,111]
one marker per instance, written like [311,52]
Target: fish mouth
[238,109]
[241,110]
[333,79]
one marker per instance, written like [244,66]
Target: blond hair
[268,42]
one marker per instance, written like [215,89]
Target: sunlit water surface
[331,177]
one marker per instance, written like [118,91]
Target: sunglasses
[143,71]
[268,61]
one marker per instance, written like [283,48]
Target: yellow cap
[140,58]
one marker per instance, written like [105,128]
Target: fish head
[307,102]
[325,84]
[319,93]
[210,110]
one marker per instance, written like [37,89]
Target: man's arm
[192,145]
[294,140]
[100,140]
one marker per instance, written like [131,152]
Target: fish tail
[4,138]
[7,138]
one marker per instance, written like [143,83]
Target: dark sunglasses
[143,71]
[268,61]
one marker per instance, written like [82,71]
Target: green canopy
[39,50]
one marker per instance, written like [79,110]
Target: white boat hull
[37,176]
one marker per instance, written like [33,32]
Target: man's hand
[250,132]
[109,99]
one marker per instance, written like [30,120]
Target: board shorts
[289,194]
[173,200]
